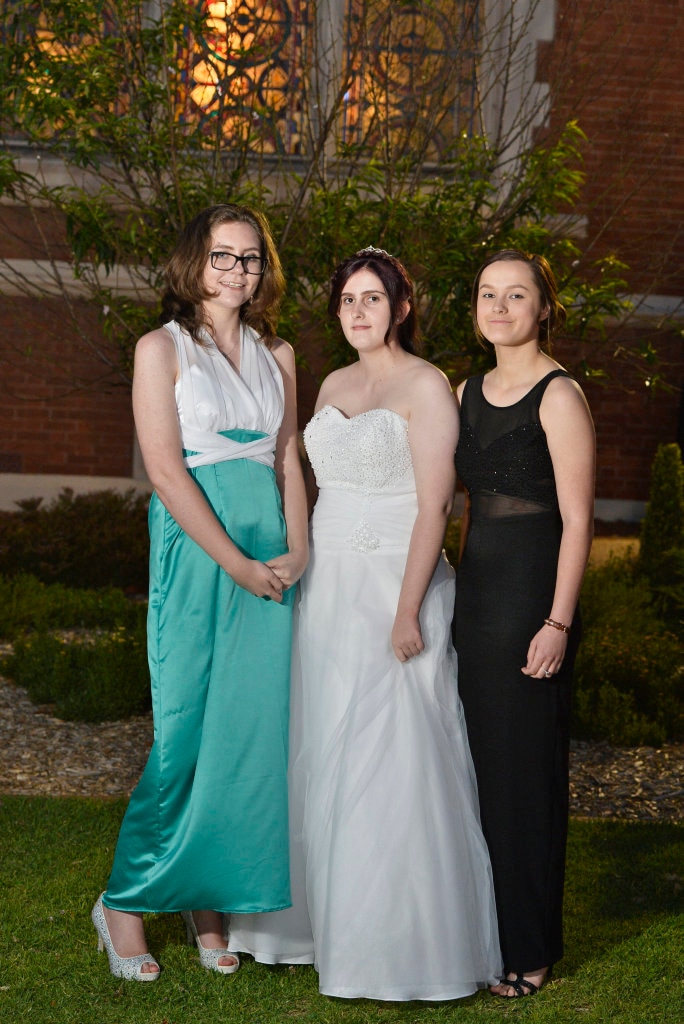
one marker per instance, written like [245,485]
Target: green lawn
[624,929]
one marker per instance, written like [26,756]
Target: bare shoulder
[340,376]
[336,384]
[157,346]
[155,369]
[160,337]
[283,353]
[564,412]
[563,394]
[429,382]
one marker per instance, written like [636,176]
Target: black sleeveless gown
[518,727]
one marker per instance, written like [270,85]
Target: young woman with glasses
[206,830]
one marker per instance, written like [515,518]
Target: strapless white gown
[392,889]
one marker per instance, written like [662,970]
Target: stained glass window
[410,68]
[245,72]
[414,76]
[257,72]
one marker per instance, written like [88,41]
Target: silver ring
[547,673]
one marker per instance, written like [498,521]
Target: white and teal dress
[207,825]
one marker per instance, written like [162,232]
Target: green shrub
[84,540]
[82,650]
[663,526]
[661,558]
[89,677]
[610,715]
[27,605]
[629,682]
[34,665]
[629,688]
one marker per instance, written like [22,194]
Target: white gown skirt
[391,881]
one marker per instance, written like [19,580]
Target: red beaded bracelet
[557,625]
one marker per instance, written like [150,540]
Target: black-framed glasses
[228,261]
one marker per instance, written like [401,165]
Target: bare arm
[570,433]
[156,420]
[465,517]
[290,566]
[433,433]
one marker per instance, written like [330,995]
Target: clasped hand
[270,579]
[288,567]
[259,579]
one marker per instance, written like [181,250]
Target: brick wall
[620,69]
[62,411]
[619,65]
[631,419]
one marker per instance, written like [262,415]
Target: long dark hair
[545,282]
[397,284]
[184,296]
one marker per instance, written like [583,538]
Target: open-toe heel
[209,958]
[128,967]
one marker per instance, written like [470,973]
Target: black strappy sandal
[519,984]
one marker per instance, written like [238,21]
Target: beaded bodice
[503,452]
[368,452]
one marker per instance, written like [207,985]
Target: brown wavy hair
[548,290]
[396,282]
[184,295]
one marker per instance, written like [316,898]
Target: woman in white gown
[391,881]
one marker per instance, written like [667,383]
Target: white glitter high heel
[209,958]
[128,967]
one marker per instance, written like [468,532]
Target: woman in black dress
[526,457]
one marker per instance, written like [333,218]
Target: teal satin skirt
[207,825]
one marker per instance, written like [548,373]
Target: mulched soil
[40,755]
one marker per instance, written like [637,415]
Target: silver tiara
[371,250]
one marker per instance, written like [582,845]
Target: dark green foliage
[84,651]
[663,526]
[29,605]
[630,667]
[81,540]
[629,678]
[89,677]
[661,556]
